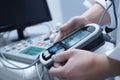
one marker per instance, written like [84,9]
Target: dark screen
[23,12]
[55,48]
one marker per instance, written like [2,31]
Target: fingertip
[56,65]
[53,57]
[51,70]
[54,71]
[58,57]
[57,38]
[55,41]
[58,72]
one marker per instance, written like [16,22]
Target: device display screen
[72,40]
[54,48]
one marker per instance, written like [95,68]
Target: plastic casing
[95,34]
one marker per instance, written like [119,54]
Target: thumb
[58,37]
[61,57]
[56,71]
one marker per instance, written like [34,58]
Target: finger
[61,33]
[63,79]
[58,37]
[56,72]
[62,57]
[67,25]
[60,71]
[64,30]
[56,65]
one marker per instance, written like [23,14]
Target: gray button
[46,54]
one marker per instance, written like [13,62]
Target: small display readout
[75,37]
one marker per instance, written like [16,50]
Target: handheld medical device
[88,38]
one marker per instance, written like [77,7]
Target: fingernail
[55,56]
[56,65]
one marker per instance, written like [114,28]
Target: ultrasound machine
[30,59]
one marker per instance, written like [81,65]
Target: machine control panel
[26,50]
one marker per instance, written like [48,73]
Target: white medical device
[26,51]
[88,38]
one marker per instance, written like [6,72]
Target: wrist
[94,13]
[85,20]
[107,67]
[114,67]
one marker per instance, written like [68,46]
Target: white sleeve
[88,3]
[115,54]
[105,4]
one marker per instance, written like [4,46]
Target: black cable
[16,68]
[103,15]
[116,19]
[115,15]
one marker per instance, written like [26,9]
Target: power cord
[108,30]
[103,15]
[40,75]
[116,19]
[15,66]
[4,58]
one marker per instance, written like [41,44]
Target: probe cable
[16,67]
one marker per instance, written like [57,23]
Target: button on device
[41,43]
[90,28]
[46,54]
[19,44]
[13,48]
[7,48]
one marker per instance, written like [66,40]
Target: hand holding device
[81,38]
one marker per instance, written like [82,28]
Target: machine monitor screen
[18,14]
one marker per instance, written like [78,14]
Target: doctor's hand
[77,64]
[73,24]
